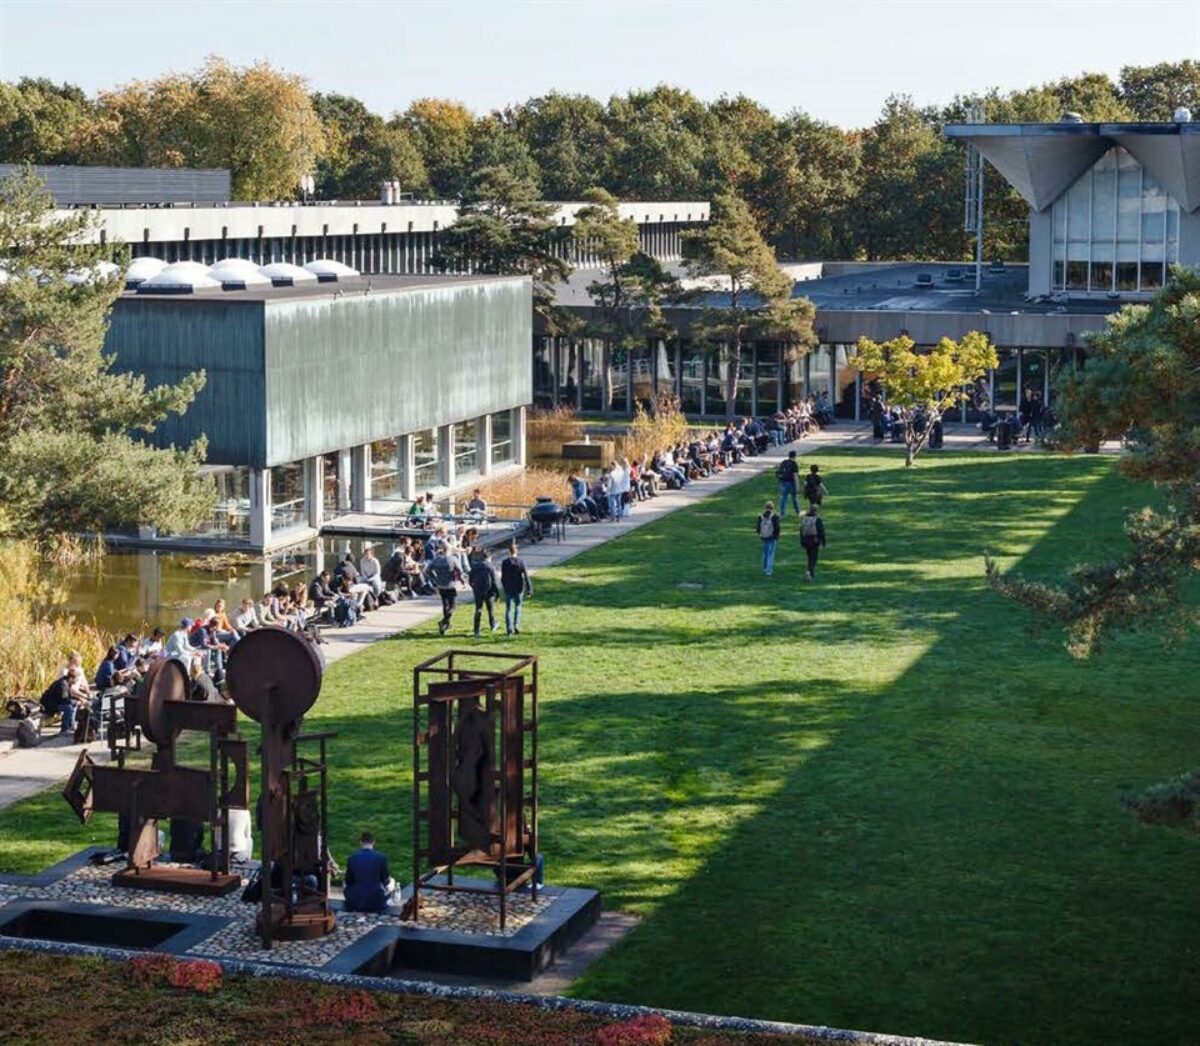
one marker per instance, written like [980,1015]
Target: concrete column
[445,438]
[360,477]
[314,491]
[260,507]
[519,436]
[483,445]
[406,459]
[343,480]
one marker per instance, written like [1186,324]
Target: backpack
[345,613]
[28,734]
[808,528]
[814,489]
[766,527]
[782,472]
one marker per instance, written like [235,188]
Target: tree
[567,138]
[1142,381]
[629,292]
[254,120]
[1154,92]
[43,122]
[442,132]
[362,151]
[70,456]
[754,296]
[924,384]
[495,144]
[662,145]
[504,228]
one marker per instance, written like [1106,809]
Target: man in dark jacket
[812,537]
[814,486]
[514,579]
[441,574]
[320,592]
[482,579]
[788,474]
[368,885]
[766,527]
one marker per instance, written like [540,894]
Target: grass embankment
[874,802]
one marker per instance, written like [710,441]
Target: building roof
[344,288]
[74,186]
[1041,161]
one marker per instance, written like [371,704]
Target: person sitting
[245,620]
[477,504]
[321,593]
[153,646]
[127,652]
[202,686]
[179,643]
[225,631]
[368,884]
[371,572]
[212,650]
[109,675]
[581,503]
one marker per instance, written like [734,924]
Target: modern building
[324,397]
[1112,207]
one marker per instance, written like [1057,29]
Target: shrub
[342,1008]
[156,970]
[650,432]
[651,1029]
[553,425]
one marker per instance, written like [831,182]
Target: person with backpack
[814,488]
[767,528]
[788,472]
[812,537]
[442,575]
[514,579]
[482,579]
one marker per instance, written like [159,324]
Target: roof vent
[1183,115]
[1070,116]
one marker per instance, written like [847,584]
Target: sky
[835,59]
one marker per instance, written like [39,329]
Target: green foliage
[1154,92]
[362,151]
[568,139]
[1142,380]
[442,132]
[504,228]
[752,294]
[70,457]
[927,382]
[43,122]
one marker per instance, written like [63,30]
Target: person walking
[441,574]
[812,537]
[814,486]
[514,579]
[767,528]
[788,474]
[482,578]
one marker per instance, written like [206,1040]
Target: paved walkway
[26,771]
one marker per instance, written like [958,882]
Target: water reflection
[131,590]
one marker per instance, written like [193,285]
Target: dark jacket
[774,527]
[819,539]
[319,592]
[366,881]
[441,571]
[514,577]
[482,579]
[787,471]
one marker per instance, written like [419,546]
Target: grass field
[879,801]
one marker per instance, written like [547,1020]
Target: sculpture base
[173,879]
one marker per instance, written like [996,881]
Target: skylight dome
[327,270]
[142,269]
[179,278]
[235,274]
[283,274]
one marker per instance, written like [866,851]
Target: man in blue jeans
[767,528]
[788,473]
[514,579]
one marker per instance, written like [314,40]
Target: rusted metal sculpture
[475,793]
[160,711]
[275,677]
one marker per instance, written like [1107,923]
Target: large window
[287,496]
[502,438]
[691,387]
[466,448]
[231,514]
[336,484]
[766,376]
[1114,230]
[591,369]
[568,372]
[385,469]
[820,377]
[641,365]
[667,375]
[543,372]
[714,384]
[845,385]
[425,460]
[619,360]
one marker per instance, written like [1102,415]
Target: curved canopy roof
[1041,161]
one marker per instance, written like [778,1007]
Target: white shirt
[369,568]
[178,645]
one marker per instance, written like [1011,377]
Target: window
[641,365]
[819,379]
[714,383]
[691,388]
[336,485]
[1115,229]
[766,376]
[543,372]
[231,514]
[667,374]
[466,448]
[568,372]
[619,361]
[591,370]
[385,469]
[425,460]
[502,437]
[287,496]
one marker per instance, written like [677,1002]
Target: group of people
[769,525]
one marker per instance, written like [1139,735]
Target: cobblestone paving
[459,912]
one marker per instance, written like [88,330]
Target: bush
[650,432]
[652,1029]
[156,971]
[553,425]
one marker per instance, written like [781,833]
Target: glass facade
[385,469]
[543,372]
[691,380]
[287,496]
[766,376]
[426,461]
[466,449]
[591,370]
[503,446]
[231,514]
[1115,230]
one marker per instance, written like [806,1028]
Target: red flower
[652,1029]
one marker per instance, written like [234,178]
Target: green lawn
[877,802]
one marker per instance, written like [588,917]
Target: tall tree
[254,120]
[442,131]
[1141,380]
[1154,92]
[925,384]
[495,144]
[629,291]
[70,454]
[504,228]
[362,151]
[43,122]
[752,296]
[661,145]
[568,139]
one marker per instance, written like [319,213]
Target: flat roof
[347,287]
